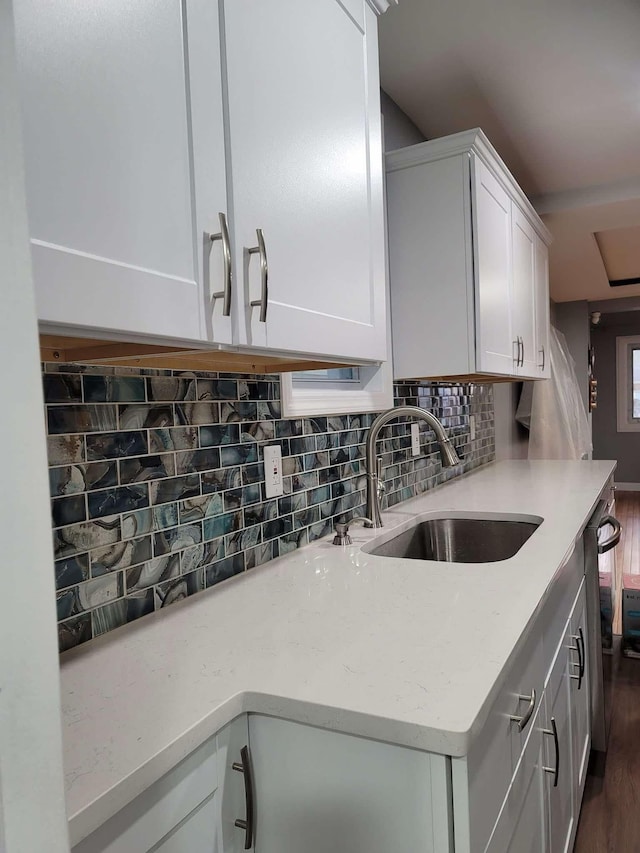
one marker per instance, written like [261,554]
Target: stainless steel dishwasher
[597,542]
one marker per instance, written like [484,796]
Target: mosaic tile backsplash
[157,480]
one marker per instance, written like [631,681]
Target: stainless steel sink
[460,540]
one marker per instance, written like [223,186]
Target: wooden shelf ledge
[65,350]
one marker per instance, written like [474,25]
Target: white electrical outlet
[415,439]
[273,470]
[472,427]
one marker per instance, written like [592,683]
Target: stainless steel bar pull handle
[244,766]
[579,647]
[519,359]
[553,732]
[583,656]
[225,294]
[524,719]
[541,350]
[263,302]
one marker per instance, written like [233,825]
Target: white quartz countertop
[404,651]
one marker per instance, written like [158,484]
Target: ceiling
[555,85]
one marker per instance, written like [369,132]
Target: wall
[157,480]
[572,319]
[608,443]
[399,130]
[512,439]
[32,806]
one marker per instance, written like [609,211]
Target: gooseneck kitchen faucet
[375,484]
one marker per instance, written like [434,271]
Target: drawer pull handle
[223,236]
[244,767]
[263,302]
[524,719]
[579,647]
[542,366]
[553,732]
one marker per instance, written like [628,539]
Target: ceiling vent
[620,251]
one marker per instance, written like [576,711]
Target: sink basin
[460,540]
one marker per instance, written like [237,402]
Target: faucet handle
[342,529]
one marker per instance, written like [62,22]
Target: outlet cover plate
[273,470]
[415,439]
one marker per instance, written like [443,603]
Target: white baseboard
[628,487]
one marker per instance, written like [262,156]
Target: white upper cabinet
[306,169]
[523,295]
[468,264]
[492,261]
[114,96]
[162,137]
[542,308]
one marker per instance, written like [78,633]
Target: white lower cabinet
[283,787]
[275,786]
[539,725]
[558,757]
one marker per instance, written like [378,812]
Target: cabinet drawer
[520,826]
[197,834]
[497,749]
[153,814]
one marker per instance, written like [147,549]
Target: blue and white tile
[173,591]
[83,537]
[155,571]
[176,539]
[120,555]
[201,555]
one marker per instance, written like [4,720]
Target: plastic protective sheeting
[558,423]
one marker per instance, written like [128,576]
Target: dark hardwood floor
[610,816]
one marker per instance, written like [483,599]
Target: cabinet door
[543,356]
[306,162]
[523,310]
[322,792]
[521,825]
[495,343]
[580,695]
[558,752]
[118,194]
